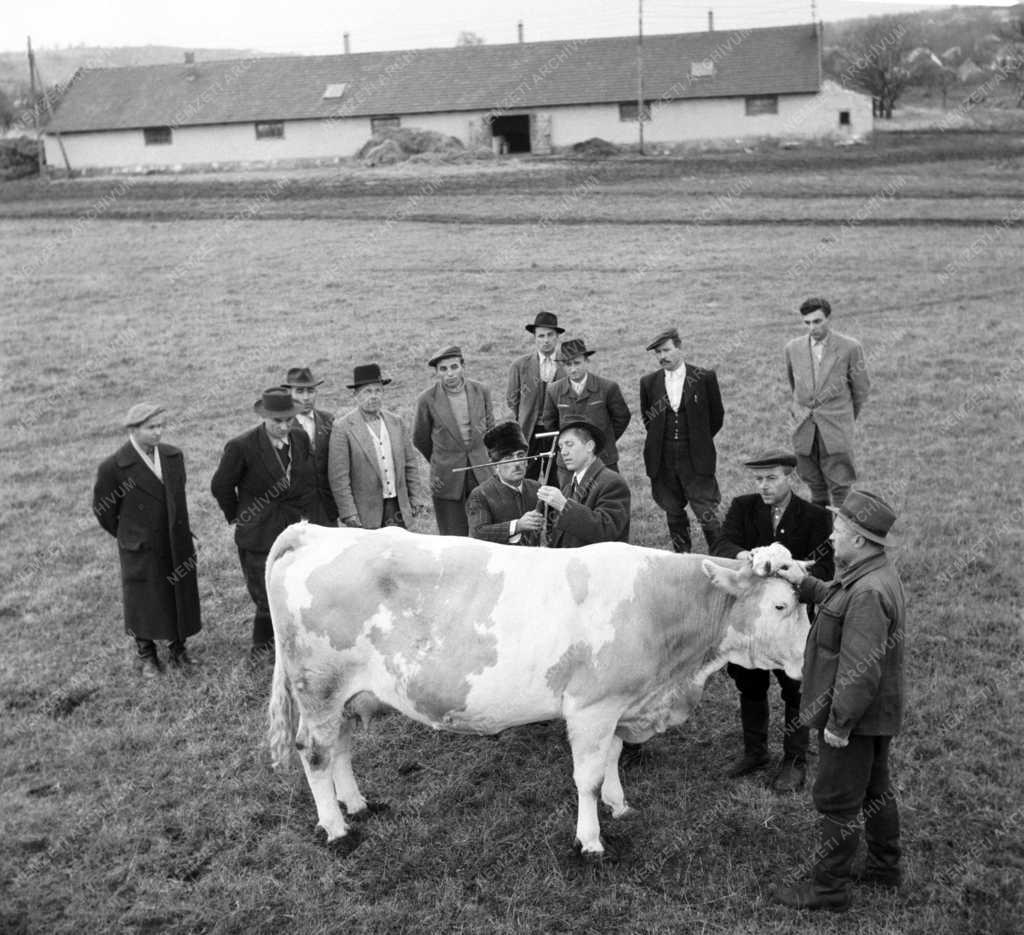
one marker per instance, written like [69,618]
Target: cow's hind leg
[345,787]
[611,789]
[316,748]
[590,737]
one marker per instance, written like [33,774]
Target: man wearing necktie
[504,508]
[829,382]
[266,480]
[594,506]
[139,498]
[774,514]
[316,423]
[528,380]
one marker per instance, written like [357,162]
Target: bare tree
[875,57]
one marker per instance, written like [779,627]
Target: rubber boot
[754,718]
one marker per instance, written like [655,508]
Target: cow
[472,636]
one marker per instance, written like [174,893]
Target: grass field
[134,807]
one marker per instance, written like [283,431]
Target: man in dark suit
[316,423]
[139,498]
[374,471]
[581,394]
[774,514]
[681,407]
[594,505]
[504,508]
[451,419]
[528,380]
[266,480]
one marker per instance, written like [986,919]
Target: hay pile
[387,147]
[18,157]
[595,146]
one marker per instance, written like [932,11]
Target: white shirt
[547,367]
[675,380]
[309,424]
[385,458]
[152,463]
[577,388]
[513,536]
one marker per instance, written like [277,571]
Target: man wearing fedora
[266,480]
[504,507]
[681,408]
[853,696]
[452,418]
[774,514]
[528,380]
[829,381]
[594,505]
[316,423]
[374,472]
[581,394]
[139,498]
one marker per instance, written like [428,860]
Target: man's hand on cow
[552,496]
[793,572]
[834,740]
[530,522]
[743,556]
[352,521]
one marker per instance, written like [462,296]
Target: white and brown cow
[472,636]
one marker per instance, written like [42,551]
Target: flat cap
[670,334]
[453,350]
[773,457]
[140,413]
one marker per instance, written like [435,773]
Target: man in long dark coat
[317,424]
[139,498]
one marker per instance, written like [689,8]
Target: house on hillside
[535,97]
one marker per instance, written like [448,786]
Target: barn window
[270,130]
[844,118]
[156,136]
[627,111]
[334,91]
[384,123]
[762,104]
[705,69]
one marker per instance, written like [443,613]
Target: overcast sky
[316,26]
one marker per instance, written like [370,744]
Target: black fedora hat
[300,376]
[276,402]
[362,374]
[573,348]
[869,515]
[589,428]
[545,320]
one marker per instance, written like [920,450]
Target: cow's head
[766,626]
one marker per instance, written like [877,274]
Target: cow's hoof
[372,809]
[345,845]
[626,814]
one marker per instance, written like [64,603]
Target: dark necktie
[285,461]
[575,489]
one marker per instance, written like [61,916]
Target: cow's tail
[283,717]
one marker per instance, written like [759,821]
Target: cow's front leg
[590,737]
[345,788]
[612,793]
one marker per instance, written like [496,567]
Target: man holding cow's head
[594,505]
[853,697]
[774,514]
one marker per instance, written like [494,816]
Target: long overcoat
[150,521]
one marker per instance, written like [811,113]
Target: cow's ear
[725,579]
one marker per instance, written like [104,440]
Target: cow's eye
[780,606]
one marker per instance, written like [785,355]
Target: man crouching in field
[853,696]
[139,498]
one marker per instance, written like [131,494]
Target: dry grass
[135,807]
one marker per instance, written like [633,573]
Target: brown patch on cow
[578,575]
[577,656]
[431,606]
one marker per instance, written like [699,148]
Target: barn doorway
[515,130]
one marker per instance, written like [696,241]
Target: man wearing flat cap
[266,480]
[374,472]
[316,423]
[528,380]
[504,507]
[139,498]
[681,407]
[581,394]
[774,514]
[853,696]
[452,418]
[594,505]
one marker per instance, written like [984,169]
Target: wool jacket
[599,513]
[493,505]
[524,394]
[601,403]
[325,512]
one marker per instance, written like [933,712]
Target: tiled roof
[781,60]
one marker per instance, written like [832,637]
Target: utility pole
[640,74]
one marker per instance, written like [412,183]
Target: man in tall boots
[853,696]
[774,514]
[317,424]
[681,408]
[139,498]
[266,480]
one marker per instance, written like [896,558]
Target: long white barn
[531,97]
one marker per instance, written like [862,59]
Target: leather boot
[833,873]
[795,741]
[679,533]
[754,718]
[882,834]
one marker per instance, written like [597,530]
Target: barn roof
[780,60]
